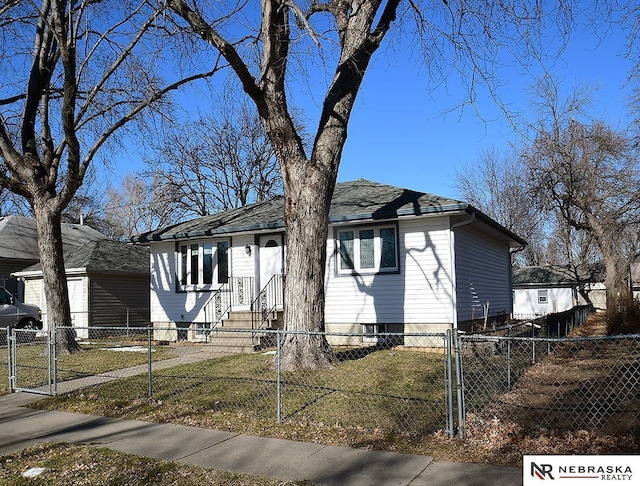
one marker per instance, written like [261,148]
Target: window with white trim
[370,249]
[542,296]
[203,265]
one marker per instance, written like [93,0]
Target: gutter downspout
[454,293]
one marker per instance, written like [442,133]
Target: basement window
[371,333]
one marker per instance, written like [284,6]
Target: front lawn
[388,399]
[98,356]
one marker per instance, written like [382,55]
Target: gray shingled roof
[556,276]
[106,256]
[18,238]
[352,201]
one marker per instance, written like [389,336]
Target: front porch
[232,308]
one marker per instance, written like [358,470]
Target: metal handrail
[269,299]
[237,291]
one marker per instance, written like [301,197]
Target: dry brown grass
[576,376]
[72,464]
[501,434]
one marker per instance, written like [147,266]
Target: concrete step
[243,320]
[232,349]
[238,342]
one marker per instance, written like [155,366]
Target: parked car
[14,313]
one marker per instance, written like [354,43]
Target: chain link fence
[376,386]
[563,384]
[402,384]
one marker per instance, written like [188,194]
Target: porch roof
[359,200]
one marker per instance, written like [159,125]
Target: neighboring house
[397,260]
[108,285]
[19,247]
[554,288]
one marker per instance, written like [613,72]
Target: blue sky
[403,132]
[400,133]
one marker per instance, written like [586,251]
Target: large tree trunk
[615,279]
[308,196]
[49,230]
[615,263]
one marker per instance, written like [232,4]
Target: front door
[271,258]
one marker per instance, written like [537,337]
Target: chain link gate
[31,355]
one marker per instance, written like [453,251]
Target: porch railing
[238,291]
[269,300]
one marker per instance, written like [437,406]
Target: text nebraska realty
[606,473]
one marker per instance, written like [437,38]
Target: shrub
[623,317]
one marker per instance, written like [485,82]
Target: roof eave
[210,232]
[421,211]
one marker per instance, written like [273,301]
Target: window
[371,332]
[223,262]
[346,250]
[542,296]
[203,329]
[367,250]
[5,297]
[201,264]
[195,259]
[183,265]
[207,263]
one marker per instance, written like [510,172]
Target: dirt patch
[584,398]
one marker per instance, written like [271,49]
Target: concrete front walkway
[21,427]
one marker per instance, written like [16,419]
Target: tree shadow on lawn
[581,386]
[353,354]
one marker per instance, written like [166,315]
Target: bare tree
[139,205]
[497,184]
[344,35]
[218,162]
[588,174]
[73,73]
[11,204]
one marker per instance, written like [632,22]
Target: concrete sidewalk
[22,427]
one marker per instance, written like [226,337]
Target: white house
[554,288]
[397,260]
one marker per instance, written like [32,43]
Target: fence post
[278,402]
[50,359]
[53,338]
[509,357]
[449,384]
[9,363]
[149,379]
[460,385]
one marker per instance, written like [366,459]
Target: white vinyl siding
[483,274]
[33,292]
[527,301]
[419,293]
[168,302]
